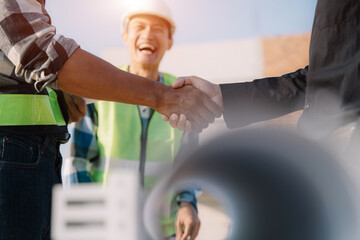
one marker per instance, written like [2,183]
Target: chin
[148,60]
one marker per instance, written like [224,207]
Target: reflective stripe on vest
[30,109]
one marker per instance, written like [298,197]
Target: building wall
[283,55]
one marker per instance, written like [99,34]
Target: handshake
[196,103]
[190,104]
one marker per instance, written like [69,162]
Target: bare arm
[89,76]
[86,75]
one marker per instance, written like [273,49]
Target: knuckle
[190,221]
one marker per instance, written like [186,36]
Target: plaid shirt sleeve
[82,148]
[30,42]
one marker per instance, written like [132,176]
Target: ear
[125,37]
[171,42]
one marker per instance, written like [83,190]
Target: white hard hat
[149,7]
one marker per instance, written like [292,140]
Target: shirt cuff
[189,197]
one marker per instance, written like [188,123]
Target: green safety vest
[119,144]
[30,109]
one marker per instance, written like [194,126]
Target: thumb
[180,82]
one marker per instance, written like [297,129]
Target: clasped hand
[210,90]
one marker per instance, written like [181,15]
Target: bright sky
[96,24]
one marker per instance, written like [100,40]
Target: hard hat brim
[128,16]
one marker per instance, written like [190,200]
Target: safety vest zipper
[144,135]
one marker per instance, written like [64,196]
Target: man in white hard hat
[136,137]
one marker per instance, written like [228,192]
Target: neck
[146,71]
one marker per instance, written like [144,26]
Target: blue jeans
[29,167]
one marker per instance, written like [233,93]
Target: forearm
[89,76]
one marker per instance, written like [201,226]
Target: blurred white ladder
[94,212]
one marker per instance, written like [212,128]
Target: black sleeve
[263,99]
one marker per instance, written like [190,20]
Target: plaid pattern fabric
[83,149]
[30,43]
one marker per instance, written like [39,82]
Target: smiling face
[148,38]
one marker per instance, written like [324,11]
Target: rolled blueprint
[273,185]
